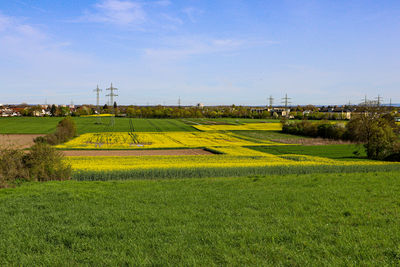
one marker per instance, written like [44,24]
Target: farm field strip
[28,125]
[159,140]
[45,125]
[136,152]
[342,152]
[273,126]
[231,121]
[233,157]
[18,140]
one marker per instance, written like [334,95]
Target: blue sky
[209,51]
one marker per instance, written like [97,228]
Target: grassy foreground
[315,219]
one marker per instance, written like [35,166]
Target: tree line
[374,129]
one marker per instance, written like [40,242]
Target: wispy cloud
[11,29]
[4,22]
[178,48]
[173,19]
[192,13]
[30,6]
[116,12]
[41,60]
[162,3]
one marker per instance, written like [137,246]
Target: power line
[379,100]
[285,100]
[365,100]
[271,101]
[98,90]
[112,95]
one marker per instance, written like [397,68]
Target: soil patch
[18,140]
[165,152]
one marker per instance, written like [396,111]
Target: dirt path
[18,140]
[166,152]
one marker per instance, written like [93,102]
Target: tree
[376,131]
[53,110]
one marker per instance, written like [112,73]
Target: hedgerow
[40,163]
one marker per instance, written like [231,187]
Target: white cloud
[4,22]
[192,13]
[172,19]
[162,2]
[227,43]
[177,48]
[29,31]
[33,61]
[116,12]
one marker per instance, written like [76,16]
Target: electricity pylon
[286,101]
[365,100]
[271,101]
[379,100]
[98,90]
[112,95]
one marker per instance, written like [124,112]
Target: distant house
[8,112]
[282,112]
[343,114]
[258,110]
[39,113]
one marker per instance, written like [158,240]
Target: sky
[203,51]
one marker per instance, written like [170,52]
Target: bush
[40,163]
[320,129]
[12,168]
[393,157]
[46,164]
[66,130]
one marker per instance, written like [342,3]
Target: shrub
[40,163]
[66,130]
[12,166]
[320,129]
[46,164]
[393,157]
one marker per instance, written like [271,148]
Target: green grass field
[343,152]
[32,125]
[193,121]
[204,172]
[267,135]
[296,220]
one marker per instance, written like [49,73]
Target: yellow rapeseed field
[248,126]
[234,157]
[122,140]
[98,115]
[232,146]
